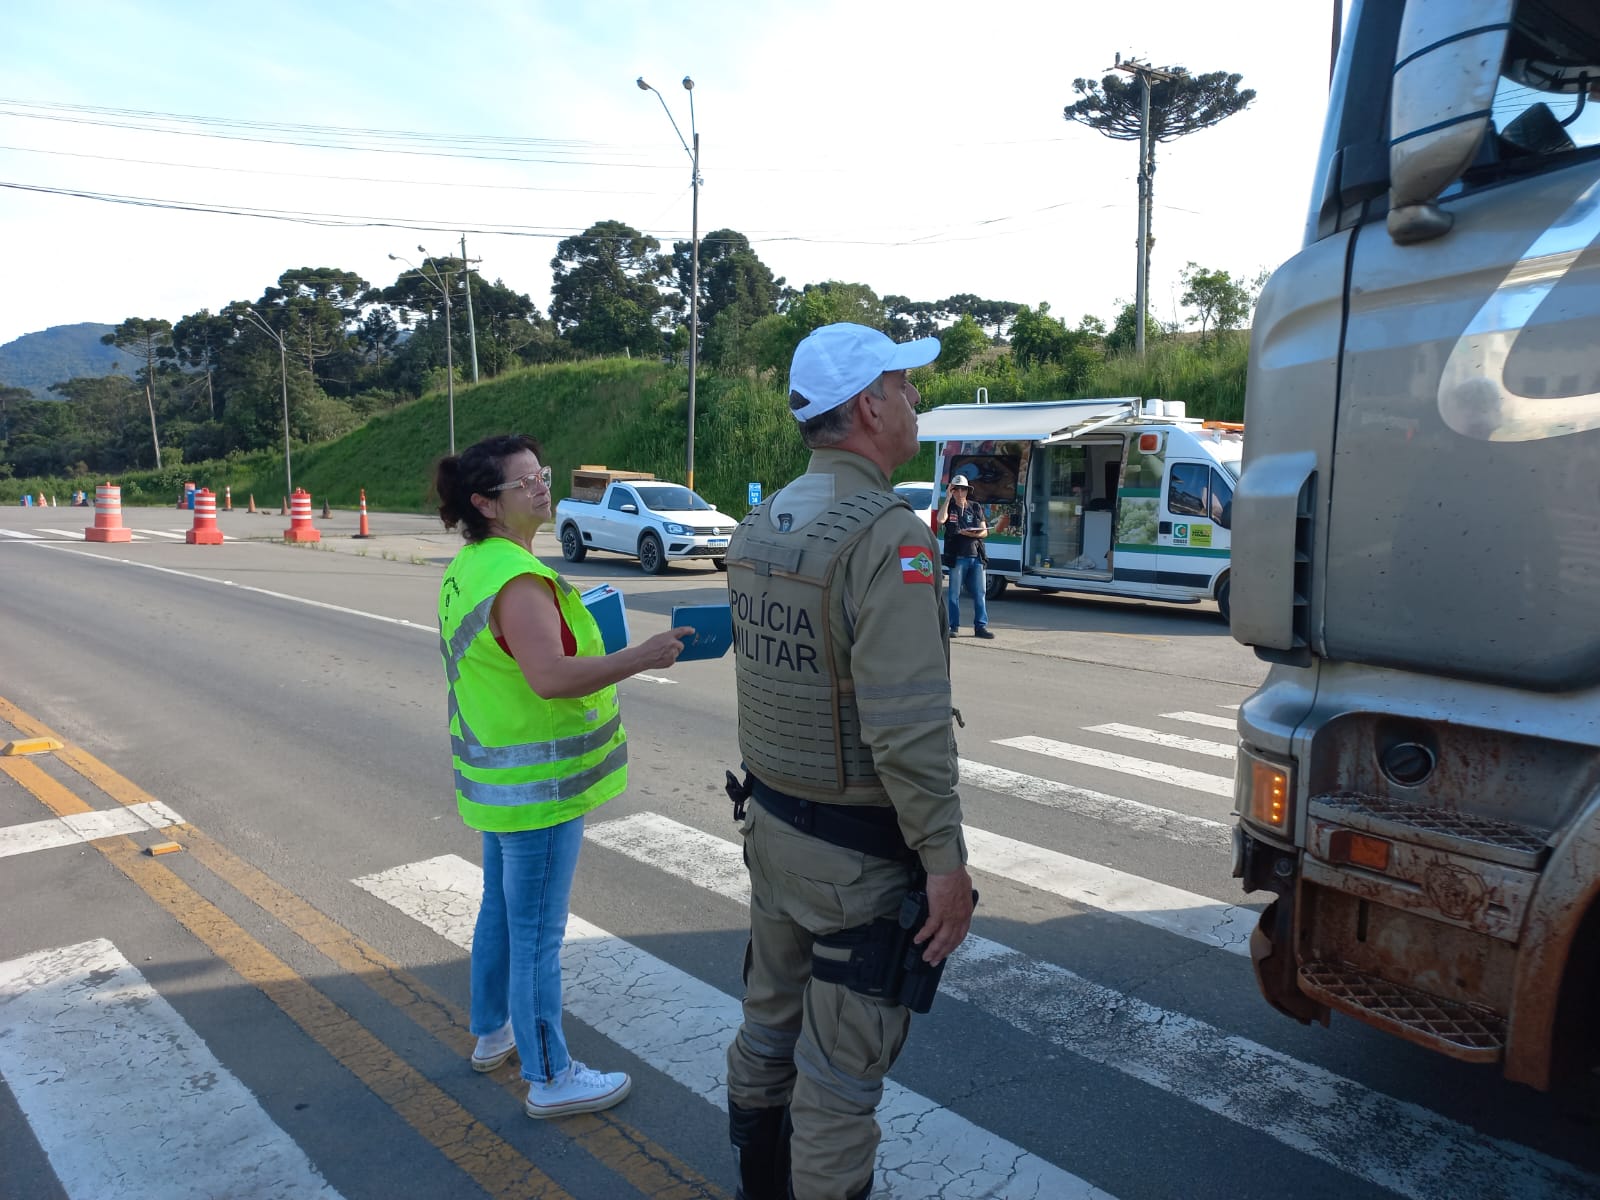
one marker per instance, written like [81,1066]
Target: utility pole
[472,332]
[1145,74]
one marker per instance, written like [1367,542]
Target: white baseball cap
[837,362]
[960,481]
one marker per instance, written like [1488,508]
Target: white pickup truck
[651,519]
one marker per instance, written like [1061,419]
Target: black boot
[760,1139]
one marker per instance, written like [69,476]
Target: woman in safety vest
[537,741]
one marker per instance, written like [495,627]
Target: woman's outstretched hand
[663,649]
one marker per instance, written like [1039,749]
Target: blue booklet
[610,613]
[713,629]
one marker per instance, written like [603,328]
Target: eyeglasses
[542,475]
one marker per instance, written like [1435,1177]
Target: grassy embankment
[631,414]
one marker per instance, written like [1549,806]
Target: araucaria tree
[1180,104]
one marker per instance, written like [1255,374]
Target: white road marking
[162,533]
[85,827]
[353,612]
[74,534]
[1146,818]
[1388,1142]
[125,1098]
[1156,737]
[1088,756]
[682,1028]
[19,534]
[1199,718]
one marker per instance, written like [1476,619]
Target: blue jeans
[516,948]
[968,573]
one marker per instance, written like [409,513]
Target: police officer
[843,676]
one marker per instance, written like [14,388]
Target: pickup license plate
[716,541]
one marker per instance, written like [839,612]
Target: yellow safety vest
[521,762]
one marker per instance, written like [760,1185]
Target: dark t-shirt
[967,516]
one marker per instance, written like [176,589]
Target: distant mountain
[36,360]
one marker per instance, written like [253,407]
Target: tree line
[334,348]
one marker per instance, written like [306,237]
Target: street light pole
[283,368]
[466,285]
[694,260]
[442,286]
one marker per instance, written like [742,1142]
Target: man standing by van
[965,527]
[853,827]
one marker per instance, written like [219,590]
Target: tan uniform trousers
[819,1047]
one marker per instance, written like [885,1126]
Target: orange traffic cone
[252,502]
[284,511]
[326,511]
[365,532]
[227,497]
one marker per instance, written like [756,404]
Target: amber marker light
[1269,794]
[1359,850]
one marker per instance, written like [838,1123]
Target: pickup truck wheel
[651,560]
[720,564]
[572,547]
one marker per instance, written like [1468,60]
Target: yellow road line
[651,1169]
[492,1162]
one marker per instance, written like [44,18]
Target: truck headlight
[674,528]
[1264,787]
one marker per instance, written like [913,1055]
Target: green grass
[632,415]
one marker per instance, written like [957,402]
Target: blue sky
[918,149]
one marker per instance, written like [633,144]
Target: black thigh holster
[884,962]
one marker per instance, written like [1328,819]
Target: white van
[1125,497]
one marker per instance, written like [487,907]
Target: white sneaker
[577,1090]
[494,1048]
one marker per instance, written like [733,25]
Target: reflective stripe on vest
[531,762]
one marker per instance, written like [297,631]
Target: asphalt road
[277,1009]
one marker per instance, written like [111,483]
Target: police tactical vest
[521,762]
[799,731]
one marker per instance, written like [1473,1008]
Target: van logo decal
[1473,397]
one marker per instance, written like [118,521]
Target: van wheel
[651,560]
[1224,596]
[572,547]
[994,586]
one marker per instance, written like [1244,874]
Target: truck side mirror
[629,508]
[1447,66]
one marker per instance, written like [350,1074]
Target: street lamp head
[422,249]
[688,84]
[643,86]
[393,258]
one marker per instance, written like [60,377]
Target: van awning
[1029,422]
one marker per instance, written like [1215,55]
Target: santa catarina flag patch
[916,565]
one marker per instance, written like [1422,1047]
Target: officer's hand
[949,915]
[663,649]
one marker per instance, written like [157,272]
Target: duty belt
[869,829]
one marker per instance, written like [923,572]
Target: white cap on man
[960,481]
[838,362]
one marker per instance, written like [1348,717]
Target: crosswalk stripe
[715,864]
[1385,1141]
[1099,806]
[1106,760]
[76,828]
[160,533]
[682,1027]
[74,534]
[88,1047]
[1157,737]
[17,533]
[1200,718]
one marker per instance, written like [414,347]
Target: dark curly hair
[457,478]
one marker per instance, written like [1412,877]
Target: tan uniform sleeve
[900,664]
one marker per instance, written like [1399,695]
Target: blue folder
[610,613]
[713,629]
